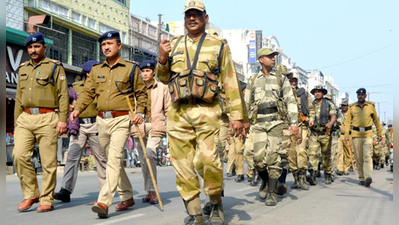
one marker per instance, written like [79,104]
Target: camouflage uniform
[193,126]
[378,154]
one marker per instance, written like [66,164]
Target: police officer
[272,96]
[361,116]
[335,133]
[41,110]
[193,121]
[298,154]
[154,126]
[344,153]
[111,81]
[87,131]
[325,117]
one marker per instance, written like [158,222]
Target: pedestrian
[193,118]
[271,104]
[298,153]
[320,139]
[360,117]
[111,81]
[154,126]
[41,111]
[344,153]
[86,131]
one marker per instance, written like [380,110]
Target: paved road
[343,202]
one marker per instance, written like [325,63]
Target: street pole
[159,30]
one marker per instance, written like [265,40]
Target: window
[84,48]
[59,49]
[54,8]
[92,24]
[84,20]
[76,17]
[123,2]
[124,38]
[104,28]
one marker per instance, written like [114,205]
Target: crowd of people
[192,95]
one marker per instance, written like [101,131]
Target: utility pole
[159,31]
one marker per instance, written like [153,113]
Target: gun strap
[201,41]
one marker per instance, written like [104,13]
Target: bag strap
[176,44]
[132,76]
[189,66]
[52,76]
[217,71]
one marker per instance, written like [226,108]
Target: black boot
[302,183]
[250,178]
[327,178]
[282,186]
[63,195]
[239,178]
[264,175]
[196,220]
[233,173]
[217,215]
[295,184]
[271,194]
[311,178]
[207,209]
[255,179]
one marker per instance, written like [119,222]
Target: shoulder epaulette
[352,104]
[22,64]
[57,62]
[373,103]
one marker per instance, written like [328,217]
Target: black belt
[267,119]
[268,110]
[362,129]
[89,120]
[319,132]
[192,101]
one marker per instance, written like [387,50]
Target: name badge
[100,77]
[22,75]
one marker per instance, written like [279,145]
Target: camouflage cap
[265,52]
[294,74]
[328,96]
[319,88]
[344,102]
[194,4]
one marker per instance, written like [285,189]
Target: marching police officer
[325,117]
[111,81]
[87,131]
[193,118]
[344,154]
[41,110]
[361,116]
[272,97]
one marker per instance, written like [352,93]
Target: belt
[89,120]
[268,110]
[362,129]
[319,132]
[34,111]
[267,119]
[112,114]
[192,101]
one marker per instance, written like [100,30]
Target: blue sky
[354,40]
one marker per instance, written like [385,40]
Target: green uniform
[361,119]
[268,131]
[111,85]
[319,140]
[41,102]
[193,126]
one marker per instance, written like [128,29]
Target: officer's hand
[61,128]
[73,116]
[294,129]
[137,119]
[164,50]
[228,137]
[299,136]
[246,128]
[379,138]
[311,123]
[347,139]
[235,128]
[329,125]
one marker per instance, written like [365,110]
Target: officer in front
[41,110]
[111,81]
[361,116]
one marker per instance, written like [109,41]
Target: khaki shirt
[103,83]
[91,110]
[37,89]
[207,61]
[317,110]
[362,117]
[261,88]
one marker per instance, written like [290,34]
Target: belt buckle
[362,129]
[86,120]
[107,114]
[34,111]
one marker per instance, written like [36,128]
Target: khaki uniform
[87,132]
[193,127]
[362,118]
[319,140]
[335,134]
[268,131]
[249,153]
[236,156]
[344,148]
[37,89]
[113,131]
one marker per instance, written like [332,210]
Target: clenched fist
[164,50]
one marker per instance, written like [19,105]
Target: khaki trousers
[152,143]
[41,129]
[334,149]
[113,134]
[231,155]
[249,154]
[363,148]
[343,155]
[237,147]
[320,144]
[76,147]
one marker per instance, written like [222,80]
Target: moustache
[34,54]
[192,23]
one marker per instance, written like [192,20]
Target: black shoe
[311,177]
[271,194]
[327,179]
[281,188]
[239,178]
[207,209]
[233,173]
[340,173]
[228,174]
[346,174]
[382,166]
[249,179]
[361,183]
[368,182]
[318,174]
[63,195]
[377,167]
[256,178]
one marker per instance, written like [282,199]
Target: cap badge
[148,64]
[34,39]
[109,35]
[192,3]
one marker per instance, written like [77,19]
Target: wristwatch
[140,114]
